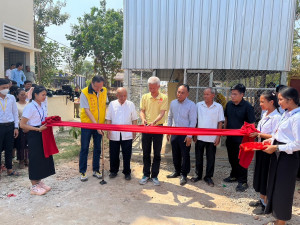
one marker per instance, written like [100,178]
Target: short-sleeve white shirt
[35,113]
[123,115]
[209,117]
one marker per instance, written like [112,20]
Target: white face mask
[4,91]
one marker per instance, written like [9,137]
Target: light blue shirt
[18,76]
[182,114]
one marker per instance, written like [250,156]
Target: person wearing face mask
[9,124]
[93,104]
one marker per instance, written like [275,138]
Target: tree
[295,69]
[46,13]
[99,35]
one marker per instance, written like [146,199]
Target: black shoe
[195,179]
[183,180]
[173,175]
[241,187]
[112,175]
[209,182]
[260,210]
[230,179]
[127,177]
[255,203]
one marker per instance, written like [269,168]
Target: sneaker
[144,180]
[83,177]
[241,187]
[255,203]
[230,179]
[37,190]
[44,186]
[155,181]
[97,174]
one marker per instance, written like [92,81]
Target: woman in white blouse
[285,157]
[21,142]
[270,118]
[39,166]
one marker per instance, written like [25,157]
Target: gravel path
[126,202]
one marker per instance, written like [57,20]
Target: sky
[76,8]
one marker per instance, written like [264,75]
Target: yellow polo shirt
[153,106]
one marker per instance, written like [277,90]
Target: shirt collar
[123,103]
[204,104]
[157,97]
[184,101]
[240,104]
[6,97]
[92,91]
[293,111]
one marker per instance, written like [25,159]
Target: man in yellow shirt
[153,108]
[93,104]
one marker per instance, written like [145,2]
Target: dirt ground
[126,202]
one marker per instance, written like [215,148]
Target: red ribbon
[252,146]
[50,147]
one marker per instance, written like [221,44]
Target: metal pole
[211,78]
[283,77]
[102,162]
[184,77]
[197,91]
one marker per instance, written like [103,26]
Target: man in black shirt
[237,112]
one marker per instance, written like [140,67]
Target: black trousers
[237,171]
[114,153]
[210,158]
[281,184]
[147,140]
[181,155]
[7,142]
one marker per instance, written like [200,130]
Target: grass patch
[68,152]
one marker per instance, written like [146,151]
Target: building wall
[65,109]
[18,14]
[208,34]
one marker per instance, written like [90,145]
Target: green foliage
[75,132]
[47,13]
[99,35]
[295,69]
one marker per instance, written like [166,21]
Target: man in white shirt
[122,112]
[8,71]
[9,124]
[210,115]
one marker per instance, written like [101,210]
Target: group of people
[276,167]
[15,73]
[279,129]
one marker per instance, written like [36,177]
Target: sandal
[13,173]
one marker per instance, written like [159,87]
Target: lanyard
[261,125]
[5,104]
[41,117]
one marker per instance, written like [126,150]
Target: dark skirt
[39,166]
[281,184]
[261,172]
[22,145]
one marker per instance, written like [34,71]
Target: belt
[278,142]
[6,124]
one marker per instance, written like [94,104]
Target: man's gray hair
[154,80]
[212,90]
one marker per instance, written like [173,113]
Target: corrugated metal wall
[208,34]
